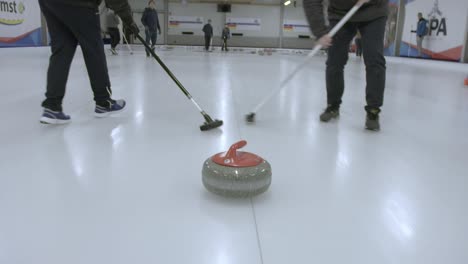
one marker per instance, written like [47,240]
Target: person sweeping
[113,29]
[370,20]
[73,22]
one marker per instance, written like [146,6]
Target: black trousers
[68,27]
[372,33]
[358,47]
[224,47]
[207,42]
[115,36]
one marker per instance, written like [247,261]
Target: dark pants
[115,36]
[372,33]
[151,37]
[69,26]
[207,42]
[358,47]
[224,47]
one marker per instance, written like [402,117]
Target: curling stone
[466,81]
[236,173]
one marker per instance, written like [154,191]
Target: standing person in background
[208,30]
[358,42]
[225,36]
[370,20]
[151,22]
[421,32]
[112,21]
[73,22]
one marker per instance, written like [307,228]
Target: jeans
[151,35]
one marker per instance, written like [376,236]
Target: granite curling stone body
[236,173]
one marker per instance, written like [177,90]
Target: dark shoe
[372,120]
[54,117]
[329,113]
[111,107]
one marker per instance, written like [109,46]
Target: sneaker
[115,106]
[329,113]
[113,51]
[54,117]
[372,120]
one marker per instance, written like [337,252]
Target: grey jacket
[112,20]
[337,9]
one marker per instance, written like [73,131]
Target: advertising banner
[299,26]
[391,28]
[445,27]
[189,22]
[20,23]
[244,23]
